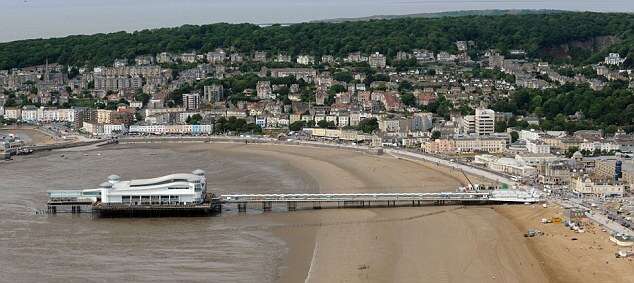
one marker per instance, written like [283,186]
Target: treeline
[609,109]
[235,125]
[533,33]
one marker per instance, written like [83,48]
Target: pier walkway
[78,199]
[377,199]
[240,198]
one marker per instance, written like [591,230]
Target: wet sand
[408,244]
[428,244]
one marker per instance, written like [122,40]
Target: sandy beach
[406,244]
[588,258]
[429,244]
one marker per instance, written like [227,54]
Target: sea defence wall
[494,176]
[243,140]
[36,148]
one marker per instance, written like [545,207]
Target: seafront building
[95,129]
[174,189]
[171,129]
[170,189]
[182,194]
[484,122]
[586,186]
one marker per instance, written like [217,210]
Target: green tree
[297,125]
[514,136]
[344,76]
[326,124]
[337,88]
[436,135]
[194,119]
[571,150]
[408,99]
[500,126]
[368,125]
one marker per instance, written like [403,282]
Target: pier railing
[242,198]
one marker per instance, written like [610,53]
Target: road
[466,168]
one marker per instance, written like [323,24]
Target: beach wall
[36,148]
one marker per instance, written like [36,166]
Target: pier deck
[293,201]
[214,203]
[242,198]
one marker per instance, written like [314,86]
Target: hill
[535,33]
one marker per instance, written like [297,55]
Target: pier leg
[242,207]
[316,205]
[291,205]
[266,206]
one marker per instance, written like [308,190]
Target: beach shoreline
[405,244]
[368,246]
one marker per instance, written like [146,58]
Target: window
[160,183]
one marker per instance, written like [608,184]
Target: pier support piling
[267,205]
[242,207]
[291,205]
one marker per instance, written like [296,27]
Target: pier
[186,194]
[290,202]
[366,200]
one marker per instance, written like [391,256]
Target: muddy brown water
[65,247]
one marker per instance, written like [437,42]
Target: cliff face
[576,49]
